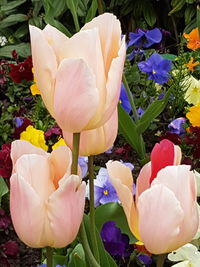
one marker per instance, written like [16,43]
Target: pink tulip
[93,142]
[46,202]
[163,214]
[80,77]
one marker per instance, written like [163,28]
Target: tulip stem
[75,153]
[49,256]
[161,260]
[92,211]
[86,247]
[100,7]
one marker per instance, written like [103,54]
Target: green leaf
[127,128]
[169,56]
[12,20]
[177,5]
[105,258]
[59,260]
[189,13]
[11,4]
[3,188]
[21,31]
[152,112]
[149,14]
[77,257]
[92,11]
[22,49]
[113,212]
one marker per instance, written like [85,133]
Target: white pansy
[187,254]
[3,40]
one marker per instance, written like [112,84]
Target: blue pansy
[145,39]
[83,163]
[137,54]
[124,99]
[157,68]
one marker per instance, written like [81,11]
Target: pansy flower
[176,126]
[145,39]
[157,68]
[123,100]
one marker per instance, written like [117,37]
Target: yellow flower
[34,136]
[60,142]
[194,116]
[34,88]
[191,64]
[192,86]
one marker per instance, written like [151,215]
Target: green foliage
[3,188]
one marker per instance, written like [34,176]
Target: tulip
[79,78]
[46,202]
[163,214]
[96,141]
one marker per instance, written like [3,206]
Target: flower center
[154,72]
[105,192]
[195,90]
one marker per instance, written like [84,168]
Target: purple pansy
[145,259]
[157,68]
[83,163]
[116,243]
[145,39]
[137,54]
[124,101]
[176,126]
[140,112]
[104,191]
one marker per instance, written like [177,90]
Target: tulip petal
[35,170]
[122,180]
[60,160]
[160,217]
[75,82]
[44,61]
[110,36]
[27,213]
[55,38]
[65,210]
[113,84]
[143,180]
[162,155]
[177,155]
[93,142]
[21,147]
[181,181]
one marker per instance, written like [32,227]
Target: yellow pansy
[194,116]
[34,88]
[34,136]
[60,142]
[192,86]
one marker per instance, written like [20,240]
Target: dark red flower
[193,138]
[4,220]
[10,248]
[22,71]
[54,131]
[123,151]
[21,123]
[174,138]
[5,161]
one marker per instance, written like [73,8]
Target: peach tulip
[96,141]
[80,77]
[163,214]
[46,202]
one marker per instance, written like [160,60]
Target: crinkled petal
[65,209]
[160,218]
[21,147]
[76,96]
[28,213]
[110,36]
[180,180]
[45,66]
